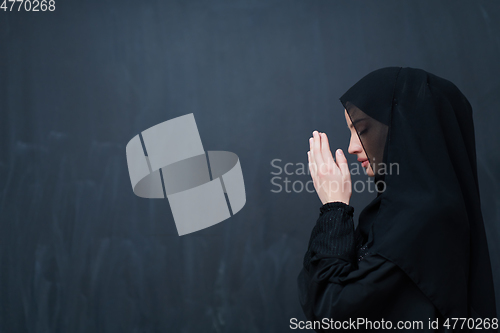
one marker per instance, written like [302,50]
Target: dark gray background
[79,252]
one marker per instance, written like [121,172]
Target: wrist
[344,201]
[332,205]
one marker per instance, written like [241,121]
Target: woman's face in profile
[355,147]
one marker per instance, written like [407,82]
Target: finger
[312,170]
[316,149]
[325,149]
[327,154]
[311,156]
[342,162]
[312,165]
[309,160]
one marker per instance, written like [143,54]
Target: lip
[364,161]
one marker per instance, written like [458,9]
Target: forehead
[347,118]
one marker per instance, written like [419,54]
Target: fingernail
[339,151]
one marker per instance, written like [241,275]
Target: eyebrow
[354,122]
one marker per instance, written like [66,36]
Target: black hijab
[427,216]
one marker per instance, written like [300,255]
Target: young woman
[419,253]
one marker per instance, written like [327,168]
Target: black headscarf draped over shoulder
[417,131]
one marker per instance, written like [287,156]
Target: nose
[355,146]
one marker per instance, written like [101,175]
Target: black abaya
[427,255]
[344,283]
